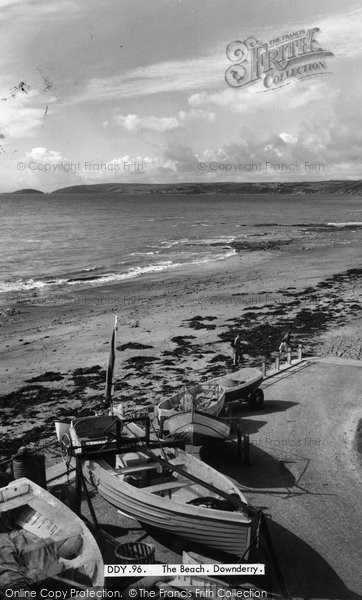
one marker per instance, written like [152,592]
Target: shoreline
[55,351]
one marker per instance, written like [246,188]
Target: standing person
[285,343]
[237,347]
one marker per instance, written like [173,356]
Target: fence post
[300,353]
[263,366]
[277,360]
[289,356]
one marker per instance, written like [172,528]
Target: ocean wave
[132,273]
[219,241]
[171,243]
[144,253]
[347,224]
[30,284]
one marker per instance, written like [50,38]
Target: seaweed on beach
[92,377]
[199,325]
[261,245]
[87,370]
[139,362]
[9,445]
[219,358]
[31,395]
[179,339]
[47,376]
[134,346]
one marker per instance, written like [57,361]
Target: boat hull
[207,397]
[197,428]
[227,531]
[240,385]
[40,514]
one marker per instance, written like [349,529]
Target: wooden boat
[42,540]
[169,490]
[197,428]
[243,385]
[207,397]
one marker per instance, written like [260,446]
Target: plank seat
[168,485]
[137,468]
[93,441]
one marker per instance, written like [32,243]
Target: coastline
[55,349]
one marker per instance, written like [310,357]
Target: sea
[56,242]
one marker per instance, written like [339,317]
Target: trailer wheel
[66,449]
[256,399]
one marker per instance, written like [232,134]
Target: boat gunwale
[194,511]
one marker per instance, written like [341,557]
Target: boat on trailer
[42,542]
[243,385]
[207,397]
[163,486]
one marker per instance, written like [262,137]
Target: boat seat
[167,486]
[137,468]
[93,441]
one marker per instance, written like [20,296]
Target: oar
[237,502]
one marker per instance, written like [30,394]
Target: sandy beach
[173,327]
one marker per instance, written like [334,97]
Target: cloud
[162,77]
[47,170]
[19,118]
[196,115]
[22,109]
[137,123]
[288,138]
[161,124]
[44,155]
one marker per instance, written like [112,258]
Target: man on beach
[285,343]
[237,348]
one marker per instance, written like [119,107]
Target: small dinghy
[207,397]
[243,385]
[166,488]
[42,542]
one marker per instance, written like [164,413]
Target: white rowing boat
[170,490]
[242,384]
[207,397]
[42,540]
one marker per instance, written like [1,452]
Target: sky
[135,91]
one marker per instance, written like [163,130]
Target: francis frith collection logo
[278,62]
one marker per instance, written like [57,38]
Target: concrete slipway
[303,473]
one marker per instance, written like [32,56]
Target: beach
[173,326]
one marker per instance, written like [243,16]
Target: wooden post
[300,352]
[277,360]
[78,480]
[263,366]
[289,356]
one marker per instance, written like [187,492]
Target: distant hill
[28,191]
[303,187]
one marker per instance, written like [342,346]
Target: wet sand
[172,327]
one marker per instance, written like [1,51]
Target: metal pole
[300,352]
[289,356]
